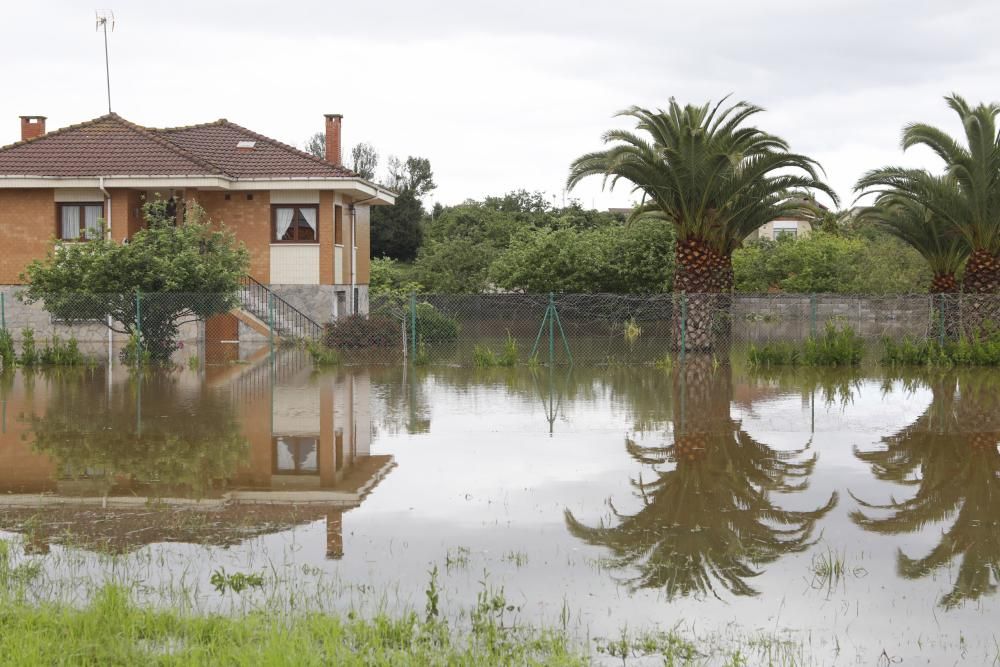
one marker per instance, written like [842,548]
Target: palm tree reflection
[707,517]
[950,456]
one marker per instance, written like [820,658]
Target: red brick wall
[27,227]
[249,219]
[325,238]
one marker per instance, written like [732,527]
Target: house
[304,220]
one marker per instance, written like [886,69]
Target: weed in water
[29,355]
[518,558]
[322,355]
[236,582]
[457,558]
[631,330]
[7,355]
[194,363]
[422,355]
[664,363]
[431,608]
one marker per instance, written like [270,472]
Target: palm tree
[925,231]
[709,520]
[972,206]
[715,179]
[933,237]
[950,456]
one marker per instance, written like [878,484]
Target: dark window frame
[297,207]
[338,225]
[83,229]
[297,441]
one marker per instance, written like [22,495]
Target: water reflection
[121,459]
[950,457]
[707,519]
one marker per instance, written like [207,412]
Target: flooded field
[808,517]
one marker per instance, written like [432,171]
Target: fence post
[552,337]
[270,319]
[413,323]
[138,324]
[812,315]
[684,315]
[3,312]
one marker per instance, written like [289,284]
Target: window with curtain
[295,224]
[295,455]
[80,222]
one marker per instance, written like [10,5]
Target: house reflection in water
[219,455]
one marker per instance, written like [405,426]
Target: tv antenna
[104,17]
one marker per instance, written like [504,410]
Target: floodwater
[854,516]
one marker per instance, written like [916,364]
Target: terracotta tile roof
[106,146]
[217,143]
[112,146]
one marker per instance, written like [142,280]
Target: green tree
[713,178]
[636,258]
[189,272]
[925,231]
[396,231]
[969,199]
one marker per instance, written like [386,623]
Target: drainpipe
[354,259]
[107,220]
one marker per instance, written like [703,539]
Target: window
[338,225]
[80,222]
[294,224]
[296,455]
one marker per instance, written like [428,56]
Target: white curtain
[283,220]
[70,222]
[92,221]
[309,214]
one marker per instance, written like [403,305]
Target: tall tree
[396,230]
[925,231]
[316,145]
[364,160]
[714,178]
[973,207]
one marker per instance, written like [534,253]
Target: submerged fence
[463,329]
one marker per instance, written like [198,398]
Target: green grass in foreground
[113,631]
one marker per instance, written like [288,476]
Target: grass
[485,357]
[7,355]
[982,349]
[112,630]
[322,355]
[834,347]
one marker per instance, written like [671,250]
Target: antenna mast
[105,16]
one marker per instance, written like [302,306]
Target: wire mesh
[464,329]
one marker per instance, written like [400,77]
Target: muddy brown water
[855,514]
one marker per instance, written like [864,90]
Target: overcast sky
[501,96]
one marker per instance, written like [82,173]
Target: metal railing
[285,319]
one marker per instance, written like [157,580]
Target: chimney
[32,126]
[333,155]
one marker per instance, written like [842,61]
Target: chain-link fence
[469,329]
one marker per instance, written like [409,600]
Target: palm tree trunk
[945,293]
[702,276]
[982,285]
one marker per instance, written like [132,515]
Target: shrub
[834,347]
[7,356]
[435,326]
[358,331]
[59,353]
